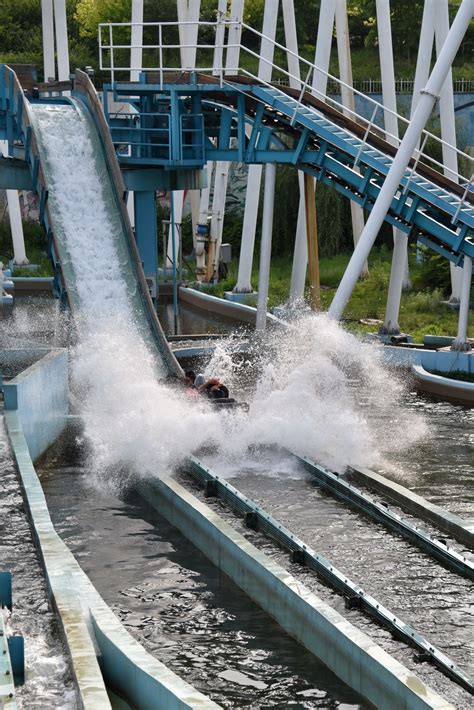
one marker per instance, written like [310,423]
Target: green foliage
[432,272]
[89,13]
[20,28]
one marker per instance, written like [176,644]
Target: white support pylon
[265,246]
[448,126]
[461,342]
[347,95]
[60,21]
[47,25]
[232,60]
[16,225]
[319,85]
[399,268]
[267,47]
[188,11]
[221,172]
[404,153]
[300,254]
[136,59]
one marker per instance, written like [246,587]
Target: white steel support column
[255,171]
[300,254]
[448,126]
[136,53]
[319,84]
[461,342]
[61,39]
[16,226]
[188,11]
[221,173]
[405,151]
[136,57]
[265,246]
[345,73]
[425,50]
[399,269]
[47,24]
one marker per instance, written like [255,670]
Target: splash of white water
[309,378]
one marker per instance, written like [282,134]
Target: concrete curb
[444,386]
[88,624]
[348,652]
[230,309]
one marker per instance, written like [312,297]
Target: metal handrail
[240,71]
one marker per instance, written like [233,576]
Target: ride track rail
[257,519]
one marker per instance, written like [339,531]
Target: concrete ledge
[443,360]
[462,530]
[230,309]
[348,652]
[445,387]
[40,394]
[83,613]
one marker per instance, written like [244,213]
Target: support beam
[47,25]
[319,85]
[440,12]
[266,246]
[345,73]
[461,342]
[188,11]
[401,161]
[312,241]
[399,269]
[255,171]
[61,40]
[136,56]
[16,226]
[145,231]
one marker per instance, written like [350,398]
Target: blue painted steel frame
[320,147]
[145,230]
[202,119]
[6,589]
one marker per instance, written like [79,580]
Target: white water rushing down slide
[131,418]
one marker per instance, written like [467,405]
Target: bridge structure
[168,121]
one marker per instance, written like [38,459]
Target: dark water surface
[192,617]
[174,601]
[48,679]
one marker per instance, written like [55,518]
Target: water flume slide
[93,238]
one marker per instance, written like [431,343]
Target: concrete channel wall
[40,396]
[35,409]
[348,652]
[443,360]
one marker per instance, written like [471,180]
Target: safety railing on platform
[147,134]
[162,49]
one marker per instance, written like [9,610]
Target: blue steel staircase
[175,128]
[442,219]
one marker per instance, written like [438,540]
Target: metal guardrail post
[303,89]
[367,131]
[415,164]
[463,199]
